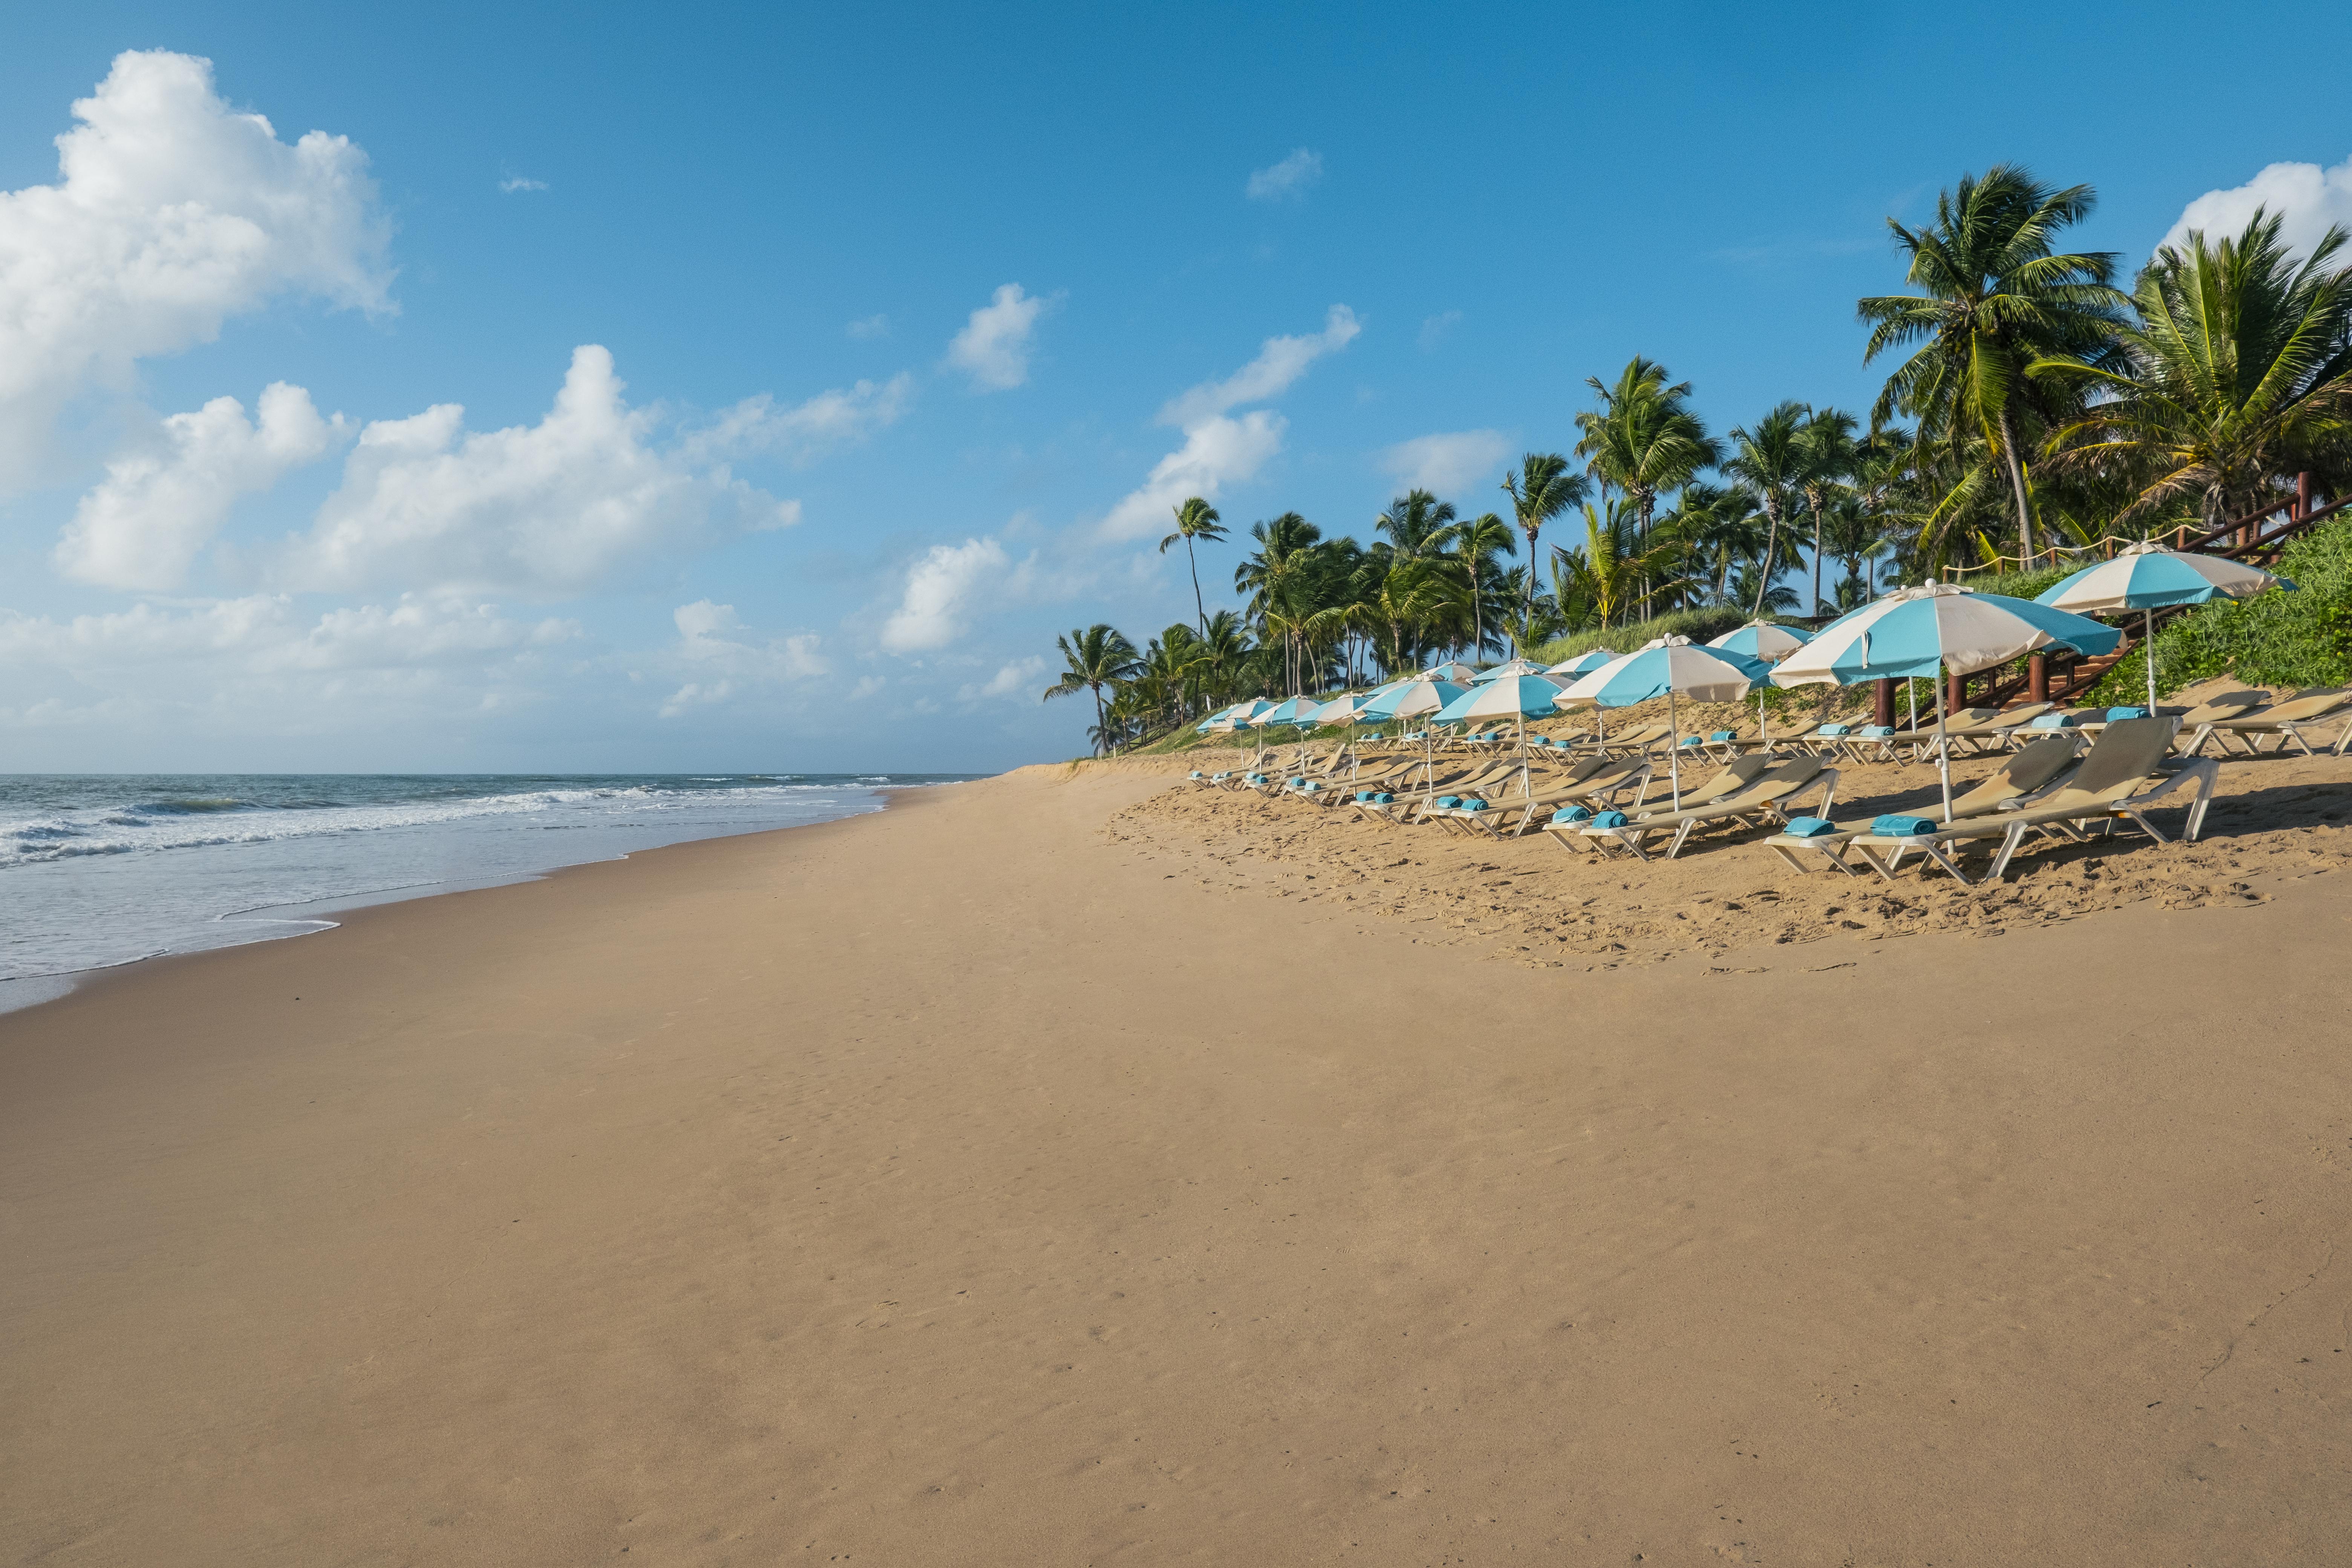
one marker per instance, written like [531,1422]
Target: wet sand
[1006,1178]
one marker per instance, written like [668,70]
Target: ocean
[101,870]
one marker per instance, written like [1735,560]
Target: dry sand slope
[963,1185]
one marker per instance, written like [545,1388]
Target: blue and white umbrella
[1505,671]
[1935,629]
[1669,668]
[1518,697]
[1240,716]
[2149,578]
[1766,640]
[1407,698]
[1582,664]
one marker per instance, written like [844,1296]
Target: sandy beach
[1062,1170]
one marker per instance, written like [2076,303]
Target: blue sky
[810,530]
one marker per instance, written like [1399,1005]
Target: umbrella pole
[1943,757]
[1675,757]
[2147,646]
[1763,725]
[1527,790]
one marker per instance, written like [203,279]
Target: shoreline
[974,1174]
[24,992]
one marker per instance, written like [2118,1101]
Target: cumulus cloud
[711,641]
[2306,197]
[515,184]
[172,214]
[993,347]
[262,633]
[1456,461]
[938,594]
[1288,179]
[1220,449]
[548,509]
[873,326]
[144,524]
[1024,680]
[805,431]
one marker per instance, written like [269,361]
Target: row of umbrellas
[1932,630]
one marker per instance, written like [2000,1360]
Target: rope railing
[2104,545]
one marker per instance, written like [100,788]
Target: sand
[992,1181]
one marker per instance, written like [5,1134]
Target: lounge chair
[1594,781]
[1762,798]
[1636,740]
[2286,721]
[2038,766]
[1491,783]
[2111,785]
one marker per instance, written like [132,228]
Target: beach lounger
[2286,720]
[1637,740]
[2041,765]
[2112,783]
[1764,799]
[1594,782]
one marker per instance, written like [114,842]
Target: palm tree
[1196,518]
[1748,584]
[1995,299]
[1416,523]
[1610,567]
[1475,545]
[1770,461]
[2237,373]
[1096,658]
[1644,438]
[1274,577]
[1830,452]
[1539,492]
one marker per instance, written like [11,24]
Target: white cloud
[993,347]
[172,214]
[1219,449]
[873,326]
[510,187]
[1024,680]
[938,594]
[1278,182]
[725,662]
[262,634]
[1452,462]
[1435,330]
[549,509]
[1280,361]
[144,524]
[805,431]
[2306,197]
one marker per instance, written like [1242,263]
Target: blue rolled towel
[1808,827]
[2052,721]
[1896,827]
[2116,715]
[1298,778]
[1368,794]
[1876,732]
[1474,804]
[1835,729]
[1196,773]
[1383,800]
[1448,802]
[1690,739]
[1720,735]
[1610,819]
[1573,814]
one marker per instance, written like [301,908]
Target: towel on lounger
[1901,826]
[2052,721]
[2117,715]
[1610,819]
[1835,729]
[1808,827]
[1573,814]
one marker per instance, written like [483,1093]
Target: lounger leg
[2010,841]
[1681,833]
[1875,863]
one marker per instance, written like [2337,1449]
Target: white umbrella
[2149,578]
[1931,629]
[1515,697]
[1669,668]
[1769,641]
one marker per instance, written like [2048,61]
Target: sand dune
[1011,1178]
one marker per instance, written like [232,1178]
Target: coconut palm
[1541,490]
[1609,567]
[1096,658]
[1830,452]
[2237,372]
[1643,438]
[1995,297]
[1416,524]
[1770,461]
[1196,518]
[1476,543]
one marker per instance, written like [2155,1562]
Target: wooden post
[2037,676]
[2302,495]
[1882,706]
[1956,690]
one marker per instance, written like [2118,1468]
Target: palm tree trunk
[1771,546]
[1102,721]
[1199,608]
[1527,610]
[1817,554]
[2017,487]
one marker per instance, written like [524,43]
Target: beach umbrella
[1407,698]
[1669,668]
[1518,697]
[1505,671]
[2149,578]
[1931,630]
[1766,640]
[1453,670]
[1582,664]
[1296,711]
